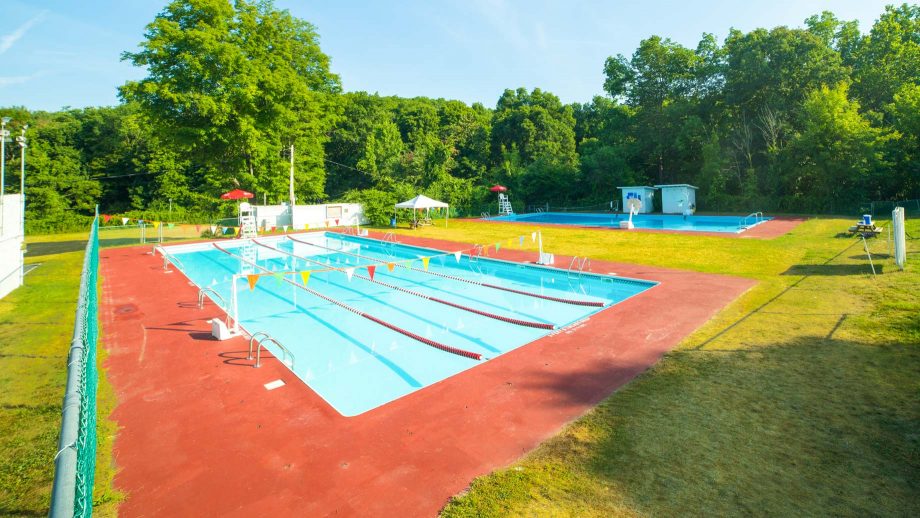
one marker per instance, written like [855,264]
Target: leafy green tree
[889,57]
[234,85]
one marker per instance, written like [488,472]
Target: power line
[121,176]
[347,167]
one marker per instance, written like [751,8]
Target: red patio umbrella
[498,188]
[236,194]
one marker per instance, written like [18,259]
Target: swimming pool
[373,321]
[731,224]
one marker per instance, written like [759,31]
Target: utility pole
[21,140]
[291,182]
[4,133]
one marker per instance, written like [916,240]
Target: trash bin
[393,222]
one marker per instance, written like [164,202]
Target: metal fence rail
[75,462]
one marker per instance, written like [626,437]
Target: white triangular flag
[533,236]
[285,228]
[457,256]
[213,229]
[349,272]
[124,221]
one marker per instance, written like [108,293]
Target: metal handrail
[758,217]
[485,215]
[201,294]
[168,259]
[389,237]
[268,338]
[579,265]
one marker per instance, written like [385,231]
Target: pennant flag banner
[140,222]
[273,229]
[409,264]
[106,218]
[305,276]
[279,277]
[156,224]
[306,226]
[222,230]
[213,229]
[457,255]
[336,222]
[171,225]
[425,262]
[285,229]
[124,221]
[533,236]
[349,272]
[253,279]
[390,266]
[521,239]
[498,246]
[370,271]
[197,228]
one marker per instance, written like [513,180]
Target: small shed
[643,193]
[678,198]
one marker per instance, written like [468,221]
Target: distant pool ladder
[756,217]
[485,215]
[260,339]
[578,266]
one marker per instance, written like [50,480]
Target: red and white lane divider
[510,320]
[410,334]
[576,302]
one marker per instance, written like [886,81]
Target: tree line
[818,119]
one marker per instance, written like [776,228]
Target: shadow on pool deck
[200,438]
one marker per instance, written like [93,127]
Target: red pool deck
[199,435]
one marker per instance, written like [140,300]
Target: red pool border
[200,436]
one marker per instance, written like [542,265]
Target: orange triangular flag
[390,266]
[425,262]
[253,279]
[370,271]
[305,276]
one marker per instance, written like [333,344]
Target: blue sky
[58,53]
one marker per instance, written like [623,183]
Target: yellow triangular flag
[425,262]
[253,279]
[156,224]
[305,276]
[306,226]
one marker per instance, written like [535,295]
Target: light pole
[4,133]
[21,140]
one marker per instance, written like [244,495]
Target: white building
[11,238]
[678,198]
[643,193]
[316,216]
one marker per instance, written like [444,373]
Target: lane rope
[510,320]
[575,302]
[410,334]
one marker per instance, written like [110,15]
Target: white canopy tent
[422,202]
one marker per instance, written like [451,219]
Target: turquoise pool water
[375,351]
[731,224]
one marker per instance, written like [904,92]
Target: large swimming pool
[731,224]
[373,321]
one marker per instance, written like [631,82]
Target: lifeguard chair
[247,221]
[504,205]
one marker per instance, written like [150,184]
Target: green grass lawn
[36,325]
[800,398]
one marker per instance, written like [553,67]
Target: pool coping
[200,435]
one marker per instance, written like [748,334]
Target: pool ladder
[213,295]
[260,339]
[756,216]
[578,266]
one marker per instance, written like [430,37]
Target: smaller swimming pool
[727,224]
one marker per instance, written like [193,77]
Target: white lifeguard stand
[504,205]
[247,221]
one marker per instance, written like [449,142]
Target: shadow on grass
[811,427]
[832,269]
[41,248]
